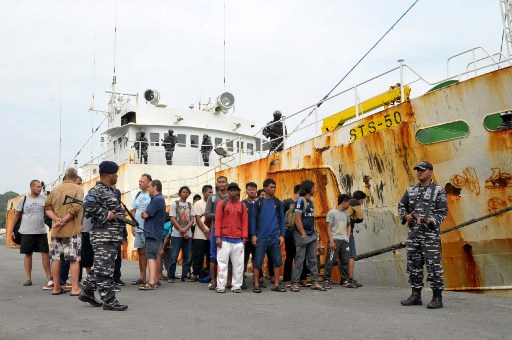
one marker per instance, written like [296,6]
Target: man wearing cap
[102,206]
[231,229]
[274,131]
[424,208]
[206,148]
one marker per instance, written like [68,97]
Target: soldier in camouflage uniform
[169,143]
[274,131]
[141,145]
[106,235]
[424,208]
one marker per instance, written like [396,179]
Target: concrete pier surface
[191,311]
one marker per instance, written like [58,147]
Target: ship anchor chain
[403,244]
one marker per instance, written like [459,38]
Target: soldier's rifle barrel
[133,222]
[403,244]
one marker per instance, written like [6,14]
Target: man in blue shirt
[267,229]
[154,219]
[305,236]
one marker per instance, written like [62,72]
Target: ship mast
[506,15]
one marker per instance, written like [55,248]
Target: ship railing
[497,61]
[473,51]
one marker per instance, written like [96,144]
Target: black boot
[414,299]
[437,299]
[114,305]
[89,298]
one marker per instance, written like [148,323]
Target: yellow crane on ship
[385,99]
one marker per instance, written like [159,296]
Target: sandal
[236,290]
[326,285]
[138,282]
[146,286]
[305,284]
[295,288]
[62,291]
[318,287]
[220,290]
[27,283]
[256,289]
[279,289]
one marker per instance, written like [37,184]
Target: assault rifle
[121,218]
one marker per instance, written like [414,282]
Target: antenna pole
[224,45]
[506,12]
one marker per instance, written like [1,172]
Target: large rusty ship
[463,125]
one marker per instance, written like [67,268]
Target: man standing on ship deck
[424,208]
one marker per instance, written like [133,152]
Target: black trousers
[201,249]
[117,267]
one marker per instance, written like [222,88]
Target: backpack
[289,215]
[208,222]
[259,204]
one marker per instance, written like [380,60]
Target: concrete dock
[191,311]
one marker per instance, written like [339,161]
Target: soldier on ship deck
[274,131]
[169,143]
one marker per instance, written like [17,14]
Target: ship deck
[189,310]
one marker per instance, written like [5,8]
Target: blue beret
[108,167]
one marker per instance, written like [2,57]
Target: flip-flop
[295,288]
[75,294]
[318,287]
[279,289]
[256,289]
[62,291]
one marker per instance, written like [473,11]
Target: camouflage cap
[423,166]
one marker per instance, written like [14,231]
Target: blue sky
[282,55]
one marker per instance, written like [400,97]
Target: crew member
[206,148]
[169,143]
[141,145]
[102,206]
[274,131]
[424,208]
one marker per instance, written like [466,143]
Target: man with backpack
[305,236]
[289,243]
[30,211]
[251,189]
[230,237]
[182,219]
[209,213]
[267,229]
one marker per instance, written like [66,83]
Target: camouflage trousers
[101,276]
[424,249]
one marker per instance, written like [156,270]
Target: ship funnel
[224,102]
[153,97]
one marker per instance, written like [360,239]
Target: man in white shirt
[201,239]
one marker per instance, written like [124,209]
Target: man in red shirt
[231,229]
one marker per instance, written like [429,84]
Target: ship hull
[475,169]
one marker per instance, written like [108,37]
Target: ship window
[250,149]
[229,144]
[194,141]
[240,145]
[129,117]
[182,140]
[154,138]
[495,120]
[218,141]
[442,132]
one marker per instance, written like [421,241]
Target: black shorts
[87,256]
[152,248]
[34,243]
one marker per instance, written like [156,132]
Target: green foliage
[3,205]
